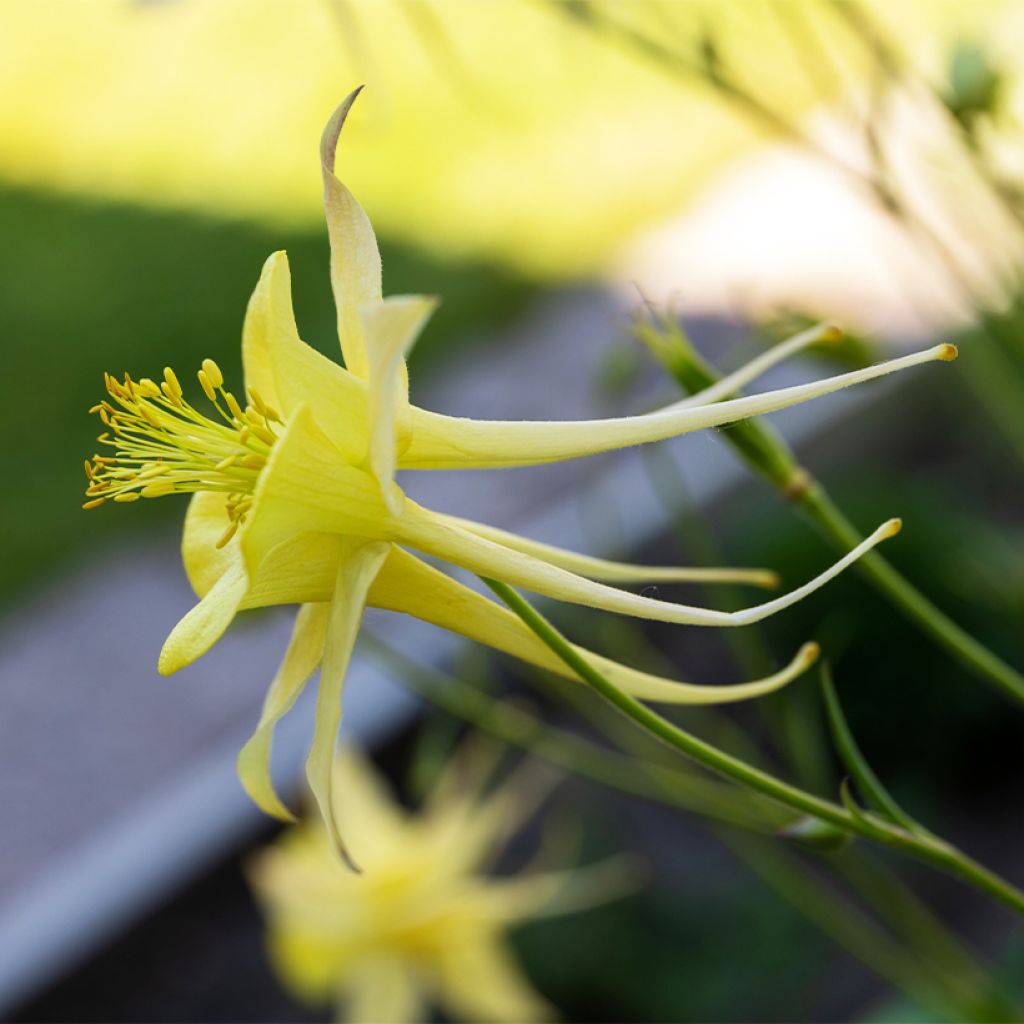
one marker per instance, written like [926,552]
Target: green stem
[925,848]
[514,725]
[764,450]
[960,979]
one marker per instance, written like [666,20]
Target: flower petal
[423,530]
[305,650]
[299,570]
[204,624]
[288,373]
[269,325]
[445,442]
[205,523]
[553,893]
[355,260]
[480,981]
[358,566]
[307,486]
[407,584]
[391,329]
[382,990]
[612,572]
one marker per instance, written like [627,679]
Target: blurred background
[544,167]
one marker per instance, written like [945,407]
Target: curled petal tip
[332,130]
[809,653]
[947,353]
[166,665]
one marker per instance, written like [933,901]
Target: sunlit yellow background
[506,130]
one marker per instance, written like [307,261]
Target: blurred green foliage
[86,288]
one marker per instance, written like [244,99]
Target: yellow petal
[299,570]
[479,981]
[204,624]
[391,329]
[444,442]
[552,893]
[288,373]
[269,325]
[382,990]
[308,487]
[612,572]
[424,530]
[355,260]
[358,566]
[205,522]
[408,585]
[305,649]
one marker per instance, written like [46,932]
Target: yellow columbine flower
[295,499]
[425,926]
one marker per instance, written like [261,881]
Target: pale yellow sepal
[355,259]
[446,442]
[391,328]
[279,363]
[613,572]
[407,584]
[205,623]
[304,652]
[357,568]
[425,531]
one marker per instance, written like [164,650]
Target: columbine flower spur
[295,500]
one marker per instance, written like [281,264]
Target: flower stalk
[848,816]
[767,453]
[919,956]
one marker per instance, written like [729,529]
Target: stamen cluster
[162,445]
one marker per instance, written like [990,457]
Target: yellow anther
[171,395]
[213,374]
[254,416]
[263,434]
[88,469]
[227,463]
[257,400]
[272,414]
[243,435]
[95,503]
[149,416]
[149,388]
[252,461]
[234,407]
[204,383]
[153,469]
[171,379]
[127,496]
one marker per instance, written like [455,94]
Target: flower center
[162,445]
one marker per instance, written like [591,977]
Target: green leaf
[868,783]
